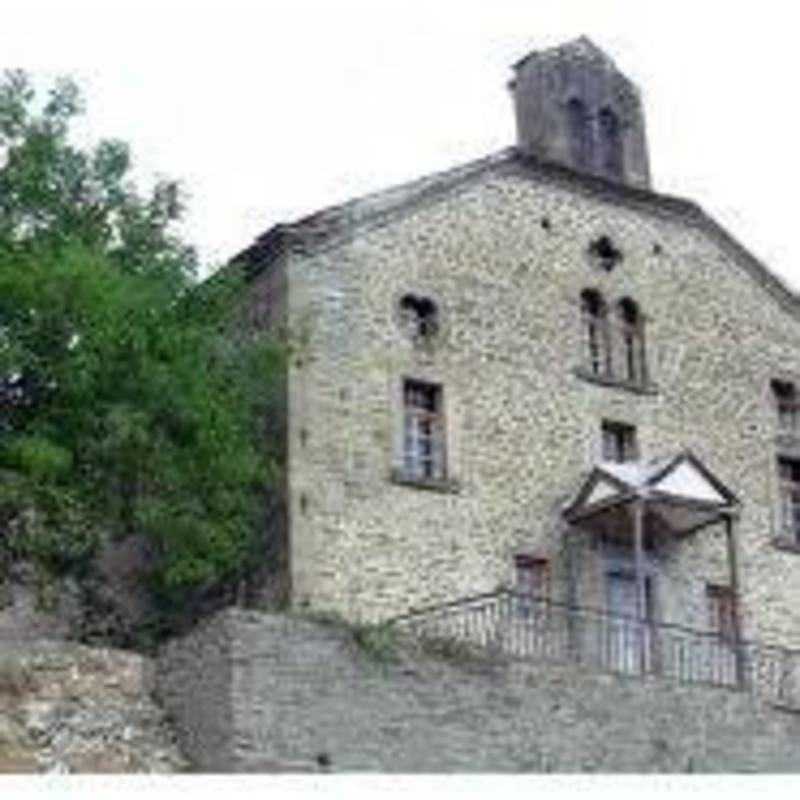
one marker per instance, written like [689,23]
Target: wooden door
[627,639]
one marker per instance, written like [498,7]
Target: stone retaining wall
[291,694]
[67,708]
[194,682]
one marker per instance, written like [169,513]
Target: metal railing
[525,628]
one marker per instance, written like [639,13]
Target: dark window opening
[605,253]
[632,335]
[580,133]
[610,135]
[420,316]
[595,325]
[787,405]
[789,517]
[424,431]
[532,584]
[619,441]
[722,611]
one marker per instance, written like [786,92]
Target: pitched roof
[681,479]
[681,474]
[337,224]
[635,474]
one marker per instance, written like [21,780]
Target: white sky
[268,111]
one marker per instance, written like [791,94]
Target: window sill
[616,383]
[442,485]
[786,544]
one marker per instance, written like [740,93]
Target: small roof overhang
[679,493]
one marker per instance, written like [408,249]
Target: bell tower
[574,107]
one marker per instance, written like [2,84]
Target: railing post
[564,636]
[573,646]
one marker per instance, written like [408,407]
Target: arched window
[580,133]
[595,325]
[631,340]
[610,141]
[420,317]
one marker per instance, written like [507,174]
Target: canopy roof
[680,493]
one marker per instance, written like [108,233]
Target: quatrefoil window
[605,253]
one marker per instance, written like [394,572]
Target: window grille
[424,446]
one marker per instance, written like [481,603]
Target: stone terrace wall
[301,694]
[68,708]
[194,679]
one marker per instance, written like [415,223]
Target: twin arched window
[613,339]
[595,140]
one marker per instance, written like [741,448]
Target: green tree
[131,401]
[52,192]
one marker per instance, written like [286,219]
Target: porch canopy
[639,502]
[678,496]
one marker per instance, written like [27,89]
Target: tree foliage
[128,405]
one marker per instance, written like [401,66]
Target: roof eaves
[335,223]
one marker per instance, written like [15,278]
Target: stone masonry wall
[522,427]
[194,683]
[68,708]
[304,695]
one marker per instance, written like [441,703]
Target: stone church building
[535,373]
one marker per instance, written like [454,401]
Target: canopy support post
[641,599]
[733,566]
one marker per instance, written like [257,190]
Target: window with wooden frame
[722,611]
[630,329]
[619,441]
[595,333]
[424,432]
[789,509]
[532,584]
[787,407]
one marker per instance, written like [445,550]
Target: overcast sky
[268,111]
